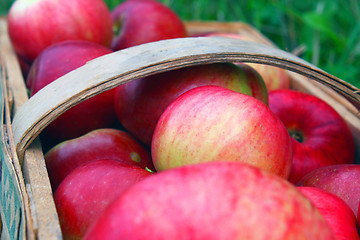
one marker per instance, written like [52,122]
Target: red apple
[358,216]
[274,77]
[142,21]
[320,135]
[140,103]
[212,123]
[35,25]
[218,200]
[54,62]
[24,66]
[87,191]
[336,212]
[342,180]
[98,144]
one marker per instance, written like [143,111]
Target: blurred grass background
[328,29]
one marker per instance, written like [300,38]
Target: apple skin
[358,215]
[342,180]
[218,200]
[143,21]
[87,191]
[336,212]
[140,103]
[320,135]
[212,123]
[24,66]
[274,77]
[96,112]
[35,25]
[98,144]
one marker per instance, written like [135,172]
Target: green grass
[328,29]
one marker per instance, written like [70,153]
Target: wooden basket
[27,206]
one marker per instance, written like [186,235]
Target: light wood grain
[111,70]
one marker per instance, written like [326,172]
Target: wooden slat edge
[195,28]
[46,221]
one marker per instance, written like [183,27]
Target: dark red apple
[336,212]
[87,191]
[142,21]
[24,66]
[212,123]
[140,103]
[212,201]
[342,180]
[358,215]
[35,25]
[54,62]
[320,135]
[98,144]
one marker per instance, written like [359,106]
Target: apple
[320,135]
[358,215]
[142,21]
[274,77]
[87,191]
[54,62]
[140,103]
[336,212]
[212,123]
[24,66]
[98,144]
[342,180]
[35,25]
[217,200]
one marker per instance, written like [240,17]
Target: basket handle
[114,69]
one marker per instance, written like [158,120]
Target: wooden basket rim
[116,68]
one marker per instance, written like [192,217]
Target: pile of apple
[216,151]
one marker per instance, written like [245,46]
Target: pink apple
[35,25]
[142,21]
[98,144]
[274,77]
[212,123]
[87,191]
[320,135]
[218,200]
[140,103]
[342,180]
[336,212]
[54,62]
